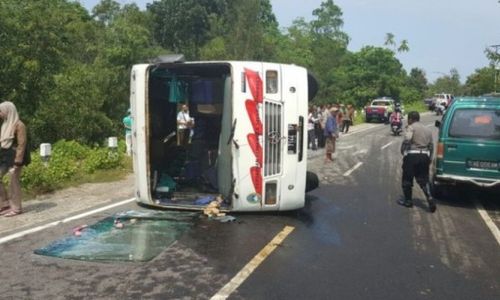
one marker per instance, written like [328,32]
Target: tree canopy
[67,69]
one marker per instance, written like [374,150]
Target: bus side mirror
[437,124]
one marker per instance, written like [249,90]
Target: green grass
[109,175]
[359,118]
[415,106]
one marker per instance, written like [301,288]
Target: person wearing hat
[417,149]
[127,123]
[330,133]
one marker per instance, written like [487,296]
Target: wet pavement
[351,241]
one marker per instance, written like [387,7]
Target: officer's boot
[407,191]
[427,191]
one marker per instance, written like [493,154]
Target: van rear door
[472,145]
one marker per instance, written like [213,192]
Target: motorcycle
[396,125]
[440,109]
[396,128]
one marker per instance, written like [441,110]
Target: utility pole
[496,64]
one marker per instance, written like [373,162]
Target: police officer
[417,149]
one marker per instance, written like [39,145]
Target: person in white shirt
[184,125]
[311,134]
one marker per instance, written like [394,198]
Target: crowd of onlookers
[325,123]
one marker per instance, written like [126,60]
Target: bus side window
[271,82]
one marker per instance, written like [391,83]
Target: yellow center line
[248,269]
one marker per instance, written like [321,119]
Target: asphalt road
[351,241]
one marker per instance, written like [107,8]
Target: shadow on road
[466,196]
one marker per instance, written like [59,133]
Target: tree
[482,81]
[372,72]
[106,11]
[183,26]
[390,43]
[296,46]
[328,45]
[389,40]
[36,40]
[248,30]
[418,80]
[447,84]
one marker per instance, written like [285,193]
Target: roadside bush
[69,161]
[43,177]
[102,159]
[416,106]
[70,150]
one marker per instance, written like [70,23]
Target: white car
[442,99]
[379,109]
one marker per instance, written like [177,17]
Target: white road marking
[345,148]
[489,222]
[55,223]
[362,151]
[386,145]
[361,130]
[353,169]
[247,270]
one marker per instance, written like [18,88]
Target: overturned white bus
[248,142]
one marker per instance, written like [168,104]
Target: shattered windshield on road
[128,236]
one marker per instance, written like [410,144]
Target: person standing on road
[318,127]
[324,116]
[345,119]
[331,133]
[339,117]
[311,133]
[12,159]
[350,117]
[417,148]
[127,123]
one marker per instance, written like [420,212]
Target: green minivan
[468,149]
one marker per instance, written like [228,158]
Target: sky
[442,34]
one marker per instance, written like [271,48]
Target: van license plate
[481,164]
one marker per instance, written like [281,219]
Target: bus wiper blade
[231,136]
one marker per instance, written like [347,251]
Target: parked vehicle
[429,102]
[379,109]
[468,149]
[249,141]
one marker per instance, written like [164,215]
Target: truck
[247,146]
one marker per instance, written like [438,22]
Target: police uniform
[417,149]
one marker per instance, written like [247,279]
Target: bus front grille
[272,138]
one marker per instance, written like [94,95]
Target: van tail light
[440,151]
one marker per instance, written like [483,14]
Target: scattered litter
[225,219]
[204,200]
[77,231]
[212,209]
[118,224]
